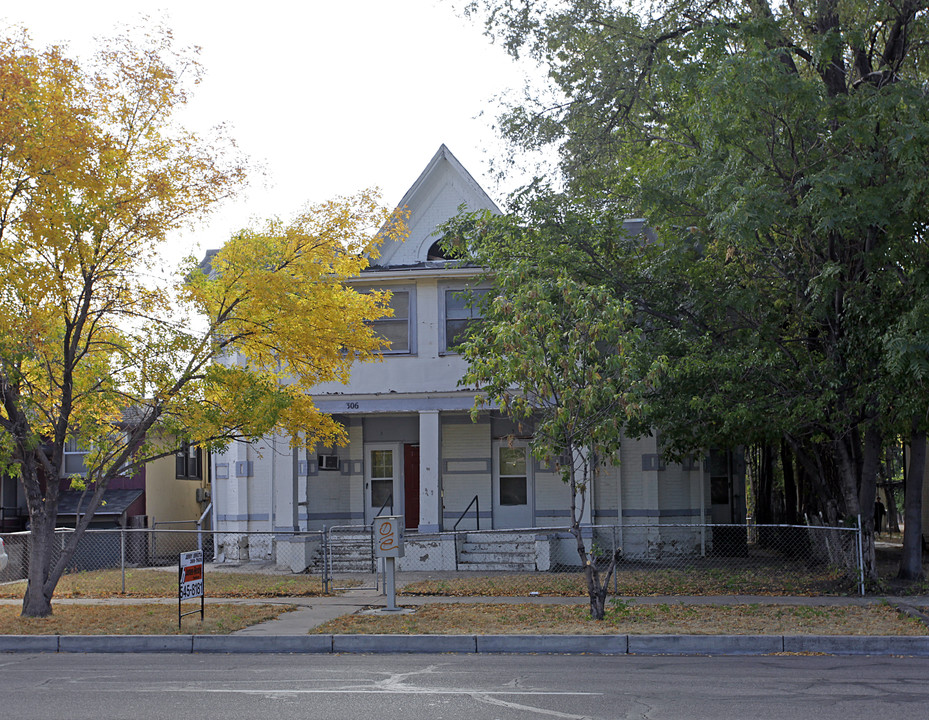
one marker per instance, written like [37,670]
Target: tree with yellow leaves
[94,174]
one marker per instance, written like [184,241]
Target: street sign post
[388,544]
[190,582]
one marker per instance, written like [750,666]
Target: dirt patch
[162,583]
[155,619]
[641,583]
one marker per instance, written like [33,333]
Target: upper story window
[459,317]
[397,329]
[188,461]
[73,461]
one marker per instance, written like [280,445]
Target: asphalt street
[442,687]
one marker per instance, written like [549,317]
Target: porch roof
[116,502]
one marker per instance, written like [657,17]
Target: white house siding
[552,497]
[674,495]
[334,497]
[639,488]
[606,499]
[413,398]
[653,493]
[466,462]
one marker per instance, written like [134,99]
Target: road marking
[378,691]
[486,698]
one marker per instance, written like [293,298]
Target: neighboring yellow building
[178,488]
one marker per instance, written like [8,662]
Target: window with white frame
[396,329]
[514,479]
[462,313]
[73,461]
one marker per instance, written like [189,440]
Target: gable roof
[442,187]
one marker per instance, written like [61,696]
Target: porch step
[508,566]
[347,554]
[489,552]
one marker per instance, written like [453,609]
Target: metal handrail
[200,526]
[388,501]
[475,502]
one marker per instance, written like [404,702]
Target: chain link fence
[109,549]
[726,559]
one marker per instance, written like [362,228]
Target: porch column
[430,495]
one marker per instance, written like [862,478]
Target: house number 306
[351,406]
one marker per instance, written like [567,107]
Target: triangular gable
[434,198]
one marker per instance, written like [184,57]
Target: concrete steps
[347,554]
[513,552]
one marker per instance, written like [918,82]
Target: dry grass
[637,583]
[152,583]
[630,618]
[155,619]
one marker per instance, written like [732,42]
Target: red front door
[411,485]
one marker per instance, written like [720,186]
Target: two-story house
[413,447]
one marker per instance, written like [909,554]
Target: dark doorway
[411,486]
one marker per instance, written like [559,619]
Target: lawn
[158,583]
[630,618]
[638,583]
[154,619]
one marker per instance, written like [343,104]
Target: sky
[327,97]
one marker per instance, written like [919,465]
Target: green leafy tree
[778,151]
[555,354]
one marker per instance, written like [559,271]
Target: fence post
[860,558]
[122,555]
[615,562]
[325,561]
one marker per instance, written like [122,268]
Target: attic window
[436,252]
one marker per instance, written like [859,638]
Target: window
[459,318]
[188,462]
[396,329]
[74,454]
[382,478]
[436,252]
[513,478]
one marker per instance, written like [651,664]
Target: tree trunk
[858,478]
[790,485]
[45,569]
[764,510]
[37,602]
[911,561]
[596,588]
[893,515]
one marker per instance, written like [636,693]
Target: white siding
[466,471]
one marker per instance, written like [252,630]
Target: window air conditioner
[328,462]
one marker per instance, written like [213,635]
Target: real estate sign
[191,575]
[190,581]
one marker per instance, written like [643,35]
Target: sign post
[190,582]
[388,544]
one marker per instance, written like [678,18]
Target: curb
[885,645]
